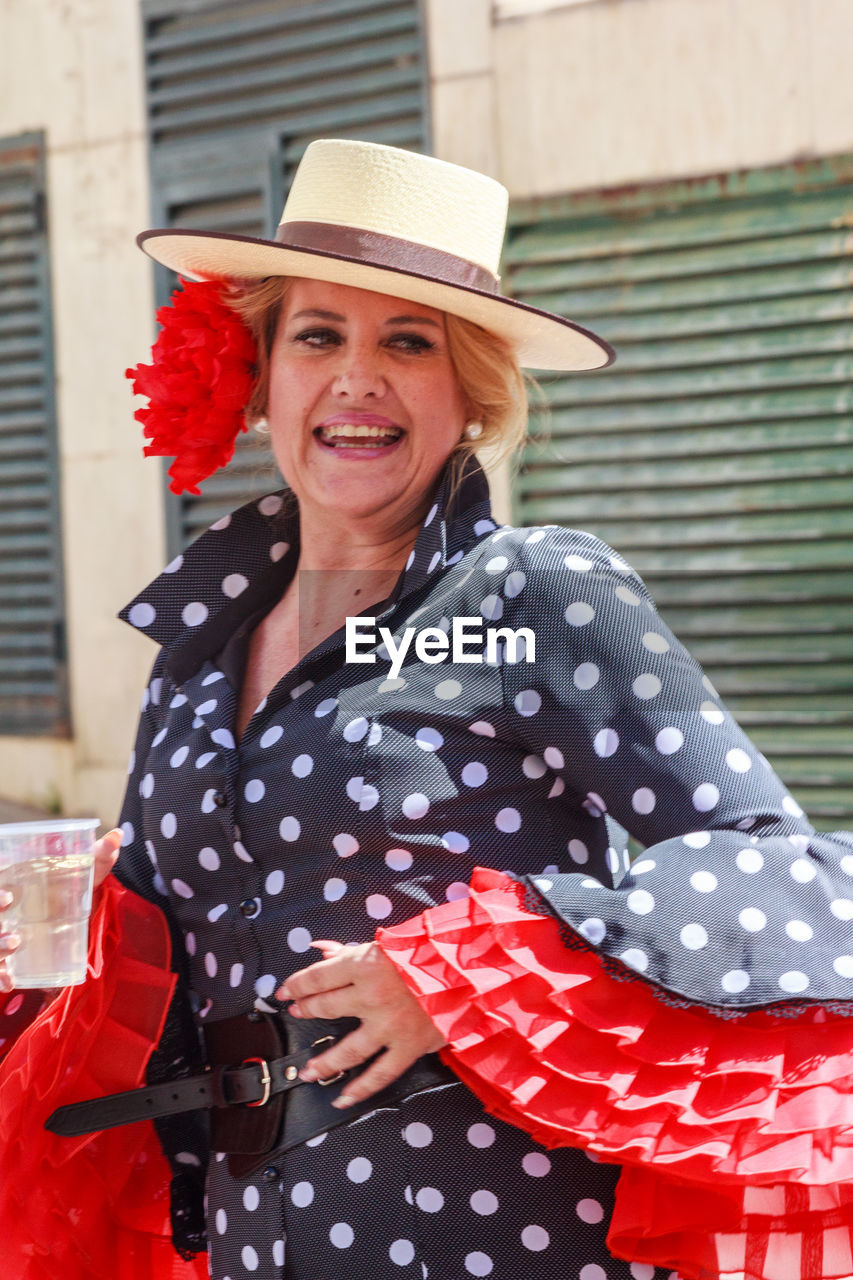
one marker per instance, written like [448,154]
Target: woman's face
[364,404]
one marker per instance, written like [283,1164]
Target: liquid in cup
[48,868]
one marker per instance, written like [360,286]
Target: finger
[6,899]
[106,853]
[350,1052]
[9,942]
[325,975]
[384,1071]
[109,844]
[328,947]
[328,1004]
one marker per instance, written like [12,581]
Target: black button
[270,1173]
[249,908]
[220,799]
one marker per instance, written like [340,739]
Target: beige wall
[615,91]
[73,70]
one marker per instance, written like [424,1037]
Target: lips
[361,432]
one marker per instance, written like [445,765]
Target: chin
[366,492]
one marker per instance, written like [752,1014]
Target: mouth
[361,436]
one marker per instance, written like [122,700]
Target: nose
[359,377]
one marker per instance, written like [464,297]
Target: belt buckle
[266,1079]
[328,1079]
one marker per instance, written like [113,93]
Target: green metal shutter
[717,454]
[33,691]
[236,91]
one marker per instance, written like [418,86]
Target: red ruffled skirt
[735,1135]
[94,1207]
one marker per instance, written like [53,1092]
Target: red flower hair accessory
[203,371]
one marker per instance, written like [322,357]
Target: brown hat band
[378,250]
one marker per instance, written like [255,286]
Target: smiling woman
[283,799]
[486,368]
[344,360]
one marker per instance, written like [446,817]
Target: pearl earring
[473,430]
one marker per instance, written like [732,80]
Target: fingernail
[11,942]
[283,993]
[343,1101]
[294,1011]
[308,1075]
[6,898]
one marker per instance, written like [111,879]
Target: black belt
[255,1060]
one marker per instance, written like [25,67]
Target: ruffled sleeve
[735,1133]
[94,1207]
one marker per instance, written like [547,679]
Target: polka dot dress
[451,1193]
[358,798]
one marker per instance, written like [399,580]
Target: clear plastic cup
[48,867]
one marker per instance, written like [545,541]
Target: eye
[318,337]
[412,342]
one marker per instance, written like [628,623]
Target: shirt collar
[244,561]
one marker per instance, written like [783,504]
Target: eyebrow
[333,315]
[413,320]
[318,315]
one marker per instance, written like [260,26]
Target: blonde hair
[492,383]
[258,303]
[488,372]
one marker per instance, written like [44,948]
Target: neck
[345,568]
[329,542]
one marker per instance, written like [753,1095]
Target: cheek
[291,397]
[442,405]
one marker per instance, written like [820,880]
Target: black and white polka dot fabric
[452,1193]
[355,798]
[737,902]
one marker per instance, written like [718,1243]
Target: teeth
[358,429]
[354,435]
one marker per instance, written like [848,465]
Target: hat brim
[540,340]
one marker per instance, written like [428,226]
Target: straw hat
[394,222]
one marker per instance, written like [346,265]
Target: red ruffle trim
[736,1136]
[94,1207]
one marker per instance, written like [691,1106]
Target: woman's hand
[360,982]
[106,852]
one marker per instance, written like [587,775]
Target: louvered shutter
[236,92]
[33,696]
[717,454]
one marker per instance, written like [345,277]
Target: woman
[289,790]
